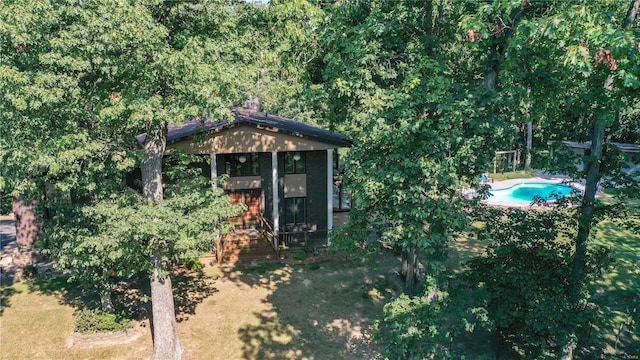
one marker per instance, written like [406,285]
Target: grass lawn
[37,324]
[512,175]
[618,293]
[313,311]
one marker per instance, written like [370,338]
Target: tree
[418,131]
[383,70]
[403,82]
[580,49]
[81,80]
[286,38]
[523,281]
[594,171]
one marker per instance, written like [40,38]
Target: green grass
[38,324]
[512,175]
[617,292]
[308,311]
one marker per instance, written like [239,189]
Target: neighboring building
[632,151]
[282,169]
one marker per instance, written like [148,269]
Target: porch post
[329,194]
[275,187]
[214,171]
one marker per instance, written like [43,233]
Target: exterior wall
[267,187]
[312,186]
[317,191]
[248,139]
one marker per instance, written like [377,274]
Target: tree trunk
[151,165]
[490,79]
[527,160]
[27,223]
[166,343]
[106,301]
[410,268]
[585,222]
[567,345]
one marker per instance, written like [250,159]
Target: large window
[246,164]
[341,196]
[294,213]
[294,162]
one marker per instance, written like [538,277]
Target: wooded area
[428,90]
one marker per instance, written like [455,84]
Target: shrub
[412,325]
[30,271]
[97,321]
[299,255]
[523,280]
[193,264]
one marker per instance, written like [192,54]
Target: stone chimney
[253,103]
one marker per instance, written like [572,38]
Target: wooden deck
[245,246]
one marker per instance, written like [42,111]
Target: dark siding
[267,187]
[220,159]
[205,165]
[317,190]
[281,190]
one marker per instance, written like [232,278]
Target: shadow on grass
[189,290]
[272,340]
[5,295]
[322,310]
[616,294]
[67,292]
[129,295]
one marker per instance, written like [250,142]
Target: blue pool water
[526,192]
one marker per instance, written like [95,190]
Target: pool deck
[538,178]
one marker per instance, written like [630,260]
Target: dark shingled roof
[258,119]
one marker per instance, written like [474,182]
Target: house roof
[624,147]
[261,120]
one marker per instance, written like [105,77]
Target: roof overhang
[262,122]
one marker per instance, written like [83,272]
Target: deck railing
[284,240]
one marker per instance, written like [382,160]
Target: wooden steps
[245,247]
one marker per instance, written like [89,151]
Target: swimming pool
[528,191]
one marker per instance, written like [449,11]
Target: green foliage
[412,325]
[299,254]
[116,236]
[97,321]
[193,264]
[421,128]
[284,34]
[30,271]
[522,282]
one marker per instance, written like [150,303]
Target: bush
[412,325]
[193,264]
[299,255]
[97,321]
[522,283]
[30,271]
